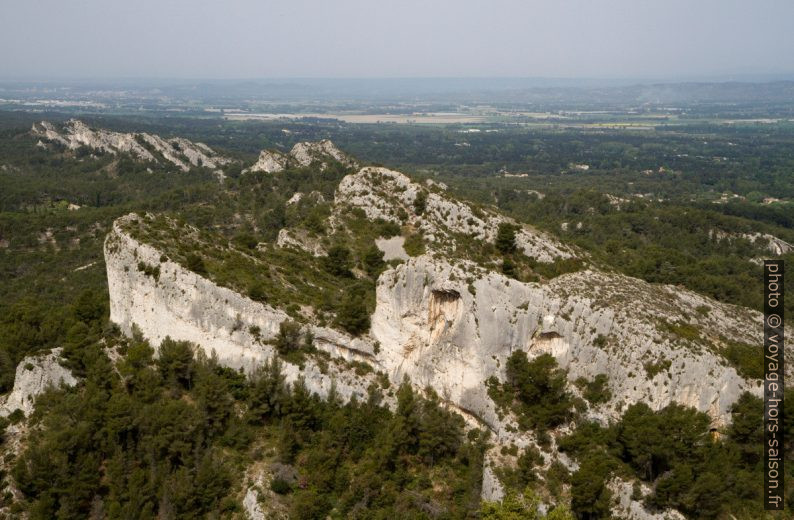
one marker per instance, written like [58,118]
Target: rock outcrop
[392,196]
[269,161]
[627,508]
[300,239]
[178,151]
[34,375]
[302,154]
[306,153]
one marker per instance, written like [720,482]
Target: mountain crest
[303,154]
[180,152]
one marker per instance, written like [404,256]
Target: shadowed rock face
[443,311]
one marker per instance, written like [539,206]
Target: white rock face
[178,151]
[269,161]
[625,508]
[77,134]
[185,306]
[393,248]
[302,154]
[387,194]
[434,329]
[306,153]
[253,509]
[774,245]
[34,375]
[313,197]
[300,239]
[450,324]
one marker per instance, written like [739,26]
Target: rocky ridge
[302,154]
[182,153]
[389,195]
[450,324]
[774,245]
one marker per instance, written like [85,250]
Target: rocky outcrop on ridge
[306,153]
[182,153]
[451,328]
[34,375]
[302,154]
[774,245]
[392,196]
[185,306]
[269,161]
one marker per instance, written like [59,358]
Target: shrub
[414,244]
[338,261]
[373,261]
[420,203]
[16,416]
[245,241]
[595,391]
[746,359]
[256,291]
[652,369]
[558,267]
[289,338]
[195,263]
[149,270]
[387,229]
[176,362]
[534,390]
[509,268]
[280,486]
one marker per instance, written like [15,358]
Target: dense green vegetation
[535,391]
[168,438]
[702,474]
[671,241]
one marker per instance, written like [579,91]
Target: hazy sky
[42,39]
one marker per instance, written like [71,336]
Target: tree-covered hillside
[177,435]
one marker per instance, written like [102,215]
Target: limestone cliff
[451,334]
[180,304]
